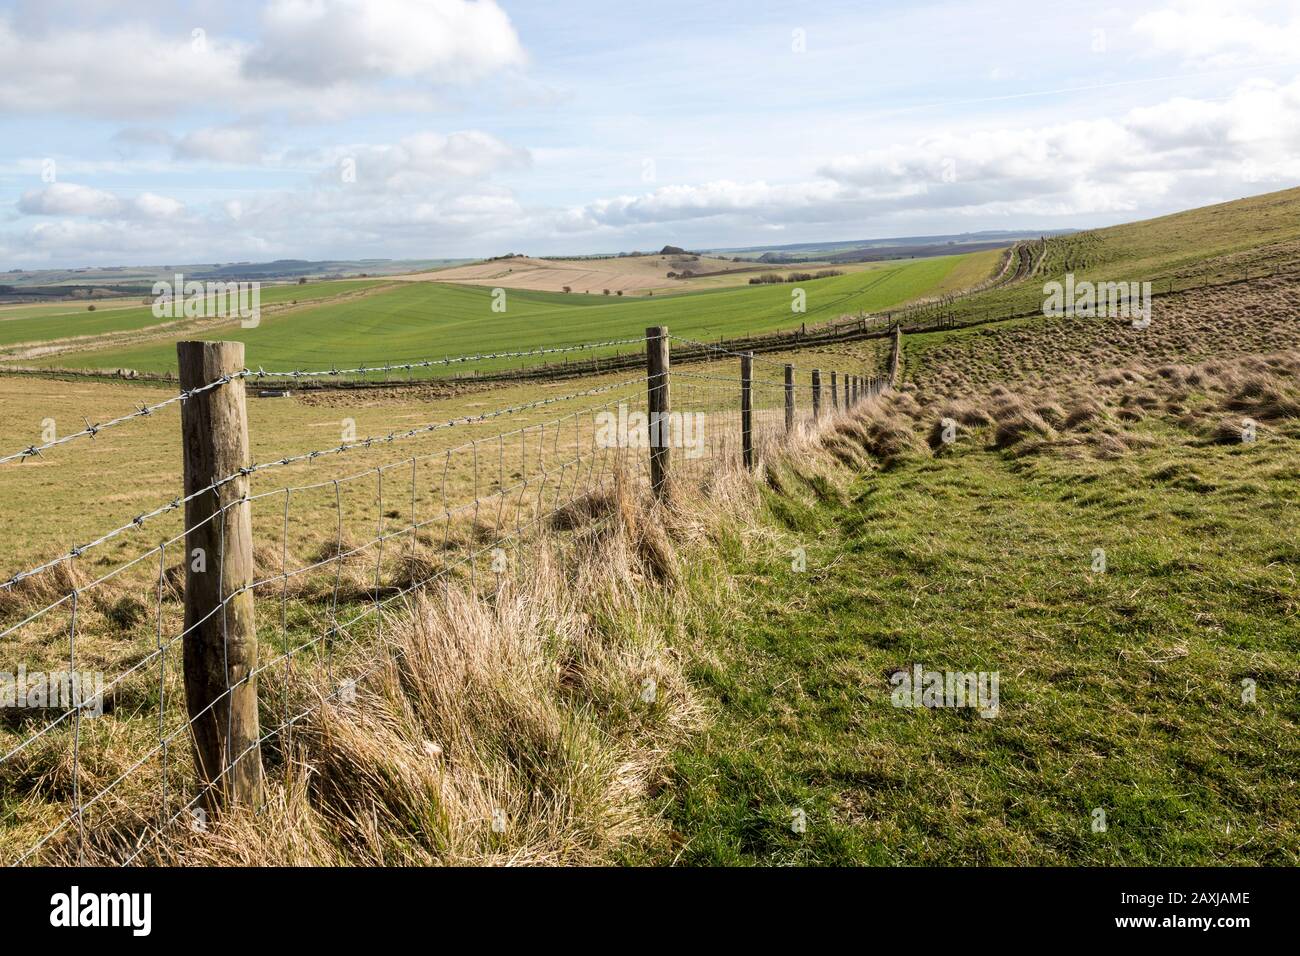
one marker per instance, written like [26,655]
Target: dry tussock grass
[1186,329]
[528,728]
[1210,399]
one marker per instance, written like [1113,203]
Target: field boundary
[210,756]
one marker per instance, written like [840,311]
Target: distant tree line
[774,278]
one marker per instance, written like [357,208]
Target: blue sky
[137,132]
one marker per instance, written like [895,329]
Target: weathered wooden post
[835,393]
[896,356]
[817,392]
[220,648]
[789,398]
[658,405]
[747,407]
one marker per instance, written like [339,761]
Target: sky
[138,132]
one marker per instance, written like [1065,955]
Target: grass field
[34,310]
[429,320]
[53,321]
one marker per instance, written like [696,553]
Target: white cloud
[1080,167]
[312,42]
[121,71]
[432,194]
[1220,36]
[422,161]
[71,199]
[316,58]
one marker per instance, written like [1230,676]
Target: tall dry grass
[529,726]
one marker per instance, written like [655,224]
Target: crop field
[47,323]
[32,310]
[428,320]
[634,275]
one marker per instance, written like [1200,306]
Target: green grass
[49,321]
[1211,244]
[1120,691]
[430,320]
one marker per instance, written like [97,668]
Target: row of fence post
[220,651]
[659,374]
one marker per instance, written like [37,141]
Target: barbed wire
[285,574]
[563,493]
[80,809]
[90,431]
[711,347]
[392,437]
[430,363]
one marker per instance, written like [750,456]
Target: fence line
[250,469]
[91,430]
[508,489]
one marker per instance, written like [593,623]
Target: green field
[430,320]
[44,322]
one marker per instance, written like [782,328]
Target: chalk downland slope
[1209,245]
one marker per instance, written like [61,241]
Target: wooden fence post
[789,398]
[658,405]
[817,393]
[220,646]
[747,407]
[835,394]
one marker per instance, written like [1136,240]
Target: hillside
[1209,245]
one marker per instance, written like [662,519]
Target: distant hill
[106,281]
